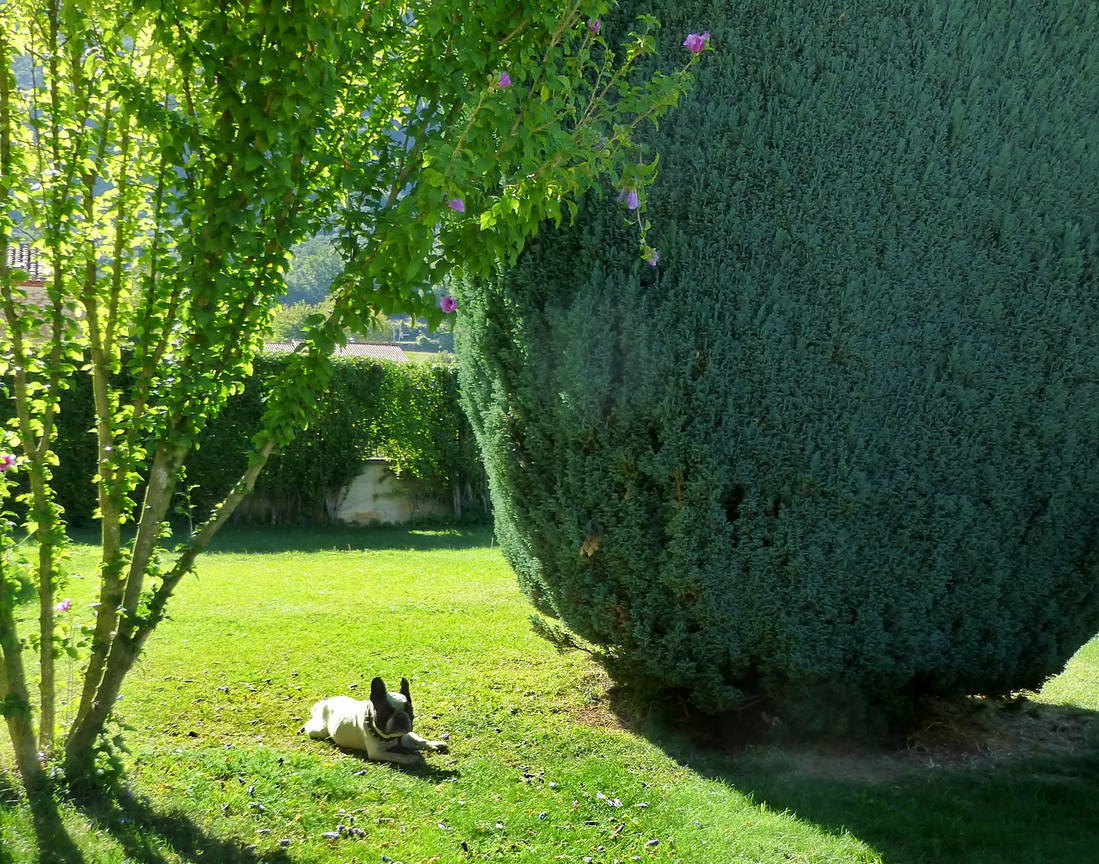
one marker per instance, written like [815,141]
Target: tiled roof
[24,257]
[352,349]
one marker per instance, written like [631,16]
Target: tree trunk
[14,696]
[104,678]
[47,678]
[110,510]
[128,643]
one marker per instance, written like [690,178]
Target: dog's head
[392,711]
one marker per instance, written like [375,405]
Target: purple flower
[64,606]
[6,461]
[629,196]
[696,42]
[456,204]
[504,80]
[653,258]
[448,304]
[595,25]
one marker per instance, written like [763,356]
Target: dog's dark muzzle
[398,724]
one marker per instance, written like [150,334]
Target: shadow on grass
[259,539]
[55,846]
[9,798]
[422,769]
[151,836]
[1022,789]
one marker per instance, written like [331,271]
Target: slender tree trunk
[47,668]
[110,493]
[47,532]
[13,687]
[127,646]
[54,844]
[103,680]
[111,560]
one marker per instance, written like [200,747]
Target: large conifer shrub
[841,447]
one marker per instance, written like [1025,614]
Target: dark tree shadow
[144,831]
[1015,784]
[9,798]
[423,769]
[55,846]
[262,539]
[265,539]
[147,833]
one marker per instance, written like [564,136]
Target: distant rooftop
[353,349]
[25,257]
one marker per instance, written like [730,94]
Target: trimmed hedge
[406,413]
[840,448]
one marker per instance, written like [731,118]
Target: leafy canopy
[165,156]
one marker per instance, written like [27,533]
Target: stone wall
[378,495]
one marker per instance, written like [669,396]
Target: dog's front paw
[438,747]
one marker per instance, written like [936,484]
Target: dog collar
[380,735]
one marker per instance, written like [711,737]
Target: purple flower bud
[64,606]
[595,25]
[630,197]
[456,204]
[6,461]
[696,42]
[504,80]
[448,304]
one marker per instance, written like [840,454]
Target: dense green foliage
[314,265]
[293,321]
[839,447]
[406,413]
[290,322]
[165,156]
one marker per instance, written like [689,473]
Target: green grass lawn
[541,769]
[415,356]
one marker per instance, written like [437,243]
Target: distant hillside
[24,72]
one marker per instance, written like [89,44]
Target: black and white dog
[377,725]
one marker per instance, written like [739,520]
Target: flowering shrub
[696,42]
[430,142]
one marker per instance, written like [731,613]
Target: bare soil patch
[974,734]
[971,733]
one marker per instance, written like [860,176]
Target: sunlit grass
[540,768]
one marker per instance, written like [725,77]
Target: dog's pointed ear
[407,695]
[377,690]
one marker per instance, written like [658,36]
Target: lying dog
[377,725]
